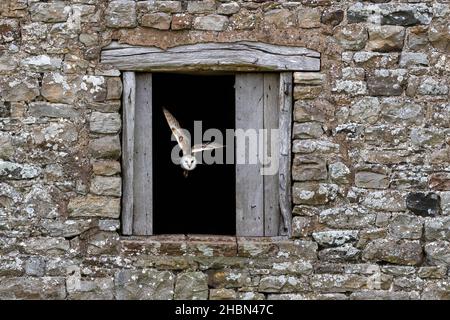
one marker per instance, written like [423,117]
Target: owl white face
[188,162]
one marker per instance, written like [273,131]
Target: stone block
[191,286]
[94,206]
[121,14]
[211,22]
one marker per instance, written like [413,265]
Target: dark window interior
[203,202]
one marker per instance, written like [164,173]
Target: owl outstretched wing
[206,146]
[178,132]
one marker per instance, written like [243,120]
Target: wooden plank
[249,181]
[143,177]
[234,56]
[237,45]
[285,129]
[128,105]
[271,193]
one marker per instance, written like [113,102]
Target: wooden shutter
[249,181]
[137,201]
[263,102]
[271,195]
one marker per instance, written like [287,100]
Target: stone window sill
[206,245]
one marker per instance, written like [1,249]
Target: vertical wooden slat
[129,92]
[249,181]
[285,127]
[143,192]
[271,193]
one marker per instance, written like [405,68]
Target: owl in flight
[188,161]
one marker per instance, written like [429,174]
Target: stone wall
[371,162]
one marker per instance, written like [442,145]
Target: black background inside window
[204,202]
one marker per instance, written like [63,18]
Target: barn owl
[188,161]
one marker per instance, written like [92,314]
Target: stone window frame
[136,64]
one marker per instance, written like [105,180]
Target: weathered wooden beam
[285,129]
[235,56]
[129,102]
